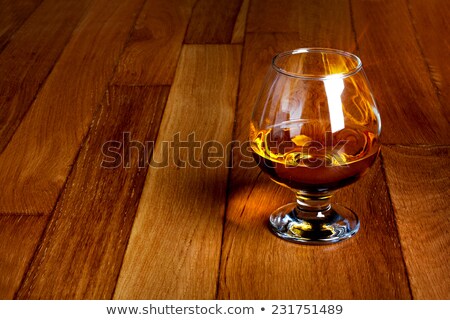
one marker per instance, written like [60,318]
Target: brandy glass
[315,129]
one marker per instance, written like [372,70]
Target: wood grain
[273,16]
[408,104]
[19,237]
[418,179]
[152,53]
[115,234]
[257,265]
[258,53]
[213,21]
[327,24]
[317,21]
[174,246]
[12,15]
[240,24]
[430,20]
[41,152]
[260,48]
[83,247]
[29,57]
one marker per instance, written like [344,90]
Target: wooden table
[76,74]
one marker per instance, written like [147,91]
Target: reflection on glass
[315,129]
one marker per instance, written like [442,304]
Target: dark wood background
[77,73]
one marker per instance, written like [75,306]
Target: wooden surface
[77,74]
[426,228]
[30,57]
[12,15]
[105,213]
[192,210]
[44,146]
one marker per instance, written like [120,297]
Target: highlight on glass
[315,129]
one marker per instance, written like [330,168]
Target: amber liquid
[316,165]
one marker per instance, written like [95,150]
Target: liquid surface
[315,163]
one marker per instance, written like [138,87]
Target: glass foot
[332,225]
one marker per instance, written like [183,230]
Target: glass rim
[340,75]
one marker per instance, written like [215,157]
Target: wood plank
[250,249]
[41,152]
[12,15]
[419,187]
[83,248]
[19,237]
[326,23]
[319,22]
[258,53]
[257,56]
[212,21]
[240,24]
[152,53]
[273,16]
[409,107]
[430,20]
[175,243]
[369,266]
[29,57]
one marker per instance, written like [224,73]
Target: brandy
[315,129]
[315,163]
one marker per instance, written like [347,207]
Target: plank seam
[422,55]
[47,75]
[352,24]
[74,163]
[179,55]
[230,41]
[236,20]
[383,170]
[125,45]
[250,193]
[20,26]
[139,196]
[230,164]
[43,235]
[187,28]
[98,107]
[60,195]
[150,158]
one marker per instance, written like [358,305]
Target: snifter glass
[315,129]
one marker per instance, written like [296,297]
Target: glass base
[332,225]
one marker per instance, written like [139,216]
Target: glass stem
[320,202]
